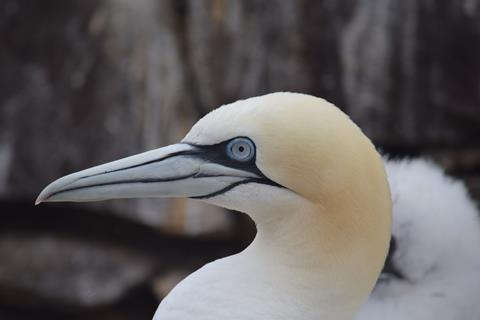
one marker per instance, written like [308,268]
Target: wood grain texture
[84,82]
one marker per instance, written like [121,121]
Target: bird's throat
[305,258]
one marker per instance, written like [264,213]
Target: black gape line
[209,153]
[146,180]
[390,268]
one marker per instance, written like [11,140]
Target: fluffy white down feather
[437,230]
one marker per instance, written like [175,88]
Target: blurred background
[85,82]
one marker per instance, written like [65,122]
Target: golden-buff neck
[340,224]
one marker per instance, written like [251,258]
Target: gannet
[303,171]
[433,267]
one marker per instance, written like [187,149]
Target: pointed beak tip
[41,198]
[44,196]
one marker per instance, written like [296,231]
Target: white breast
[241,288]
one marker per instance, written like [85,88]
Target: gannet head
[298,165]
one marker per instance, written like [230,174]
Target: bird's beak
[179,170]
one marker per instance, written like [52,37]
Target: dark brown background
[84,82]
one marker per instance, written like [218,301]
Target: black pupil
[241,149]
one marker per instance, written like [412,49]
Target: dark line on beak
[149,180]
[138,165]
[233,185]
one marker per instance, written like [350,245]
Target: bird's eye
[241,149]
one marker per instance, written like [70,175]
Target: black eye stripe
[216,153]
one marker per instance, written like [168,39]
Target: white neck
[299,261]
[311,275]
[297,268]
